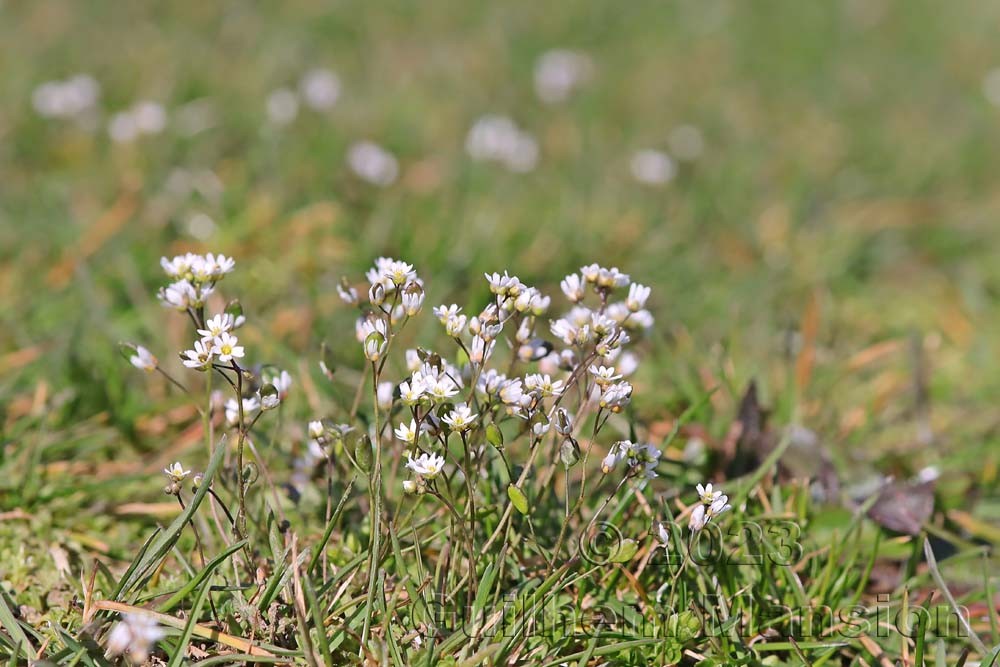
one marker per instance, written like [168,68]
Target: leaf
[518,498]
[625,551]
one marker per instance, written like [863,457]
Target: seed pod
[494,436]
[517,498]
[363,453]
[569,452]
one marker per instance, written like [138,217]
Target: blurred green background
[842,215]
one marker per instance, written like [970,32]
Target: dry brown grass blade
[807,354]
[201,631]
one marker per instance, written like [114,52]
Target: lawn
[808,188]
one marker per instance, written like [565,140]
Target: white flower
[505,285]
[616,396]
[609,462]
[440,390]
[543,384]
[200,357]
[176,472]
[413,300]
[407,433]
[320,89]
[604,375]
[497,139]
[564,330]
[455,325]
[426,465]
[250,405]
[558,73]
[411,392]
[490,382]
[316,429]
[663,534]
[268,401]
[226,347]
[445,313]
[347,294]
[373,332]
[409,486]
[637,295]
[480,350]
[707,494]
[180,295]
[66,99]
[652,167]
[372,163]
[705,511]
[282,381]
[218,325]
[217,266]
[461,418]
[135,634]
[511,392]
[143,359]
[383,395]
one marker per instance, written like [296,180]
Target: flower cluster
[640,458]
[711,503]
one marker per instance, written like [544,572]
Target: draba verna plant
[456,454]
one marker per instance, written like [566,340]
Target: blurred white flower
[383,395]
[250,405]
[282,106]
[320,89]
[143,359]
[136,634]
[686,143]
[143,117]
[282,381]
[66,99]
[560,72]
[372,163]
[637,295]
[652,167]
[494,138]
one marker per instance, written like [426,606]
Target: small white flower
[268,401]
[511,392]
[320,89]
[663,534]
[505,285]
[176,472]
[407,433]
[616,396]
[384,395]
[282,381]
[652,167]
[609,462]
[373,333]
[409,486]
[498,139]
[143,359]
[711,504]
[413,300]
[559,72]
[461,418]
[604,375]
[441,390]
[218,325]
[455,325]
[226,347]
[136,634]
[316,429]
[347,294]
[445,313]
[637,295]
[543,384]
[200,357]
[426,465]
[411,392]
[707,494]
[250,405]
[372,163]
[180,295]
[480,350]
